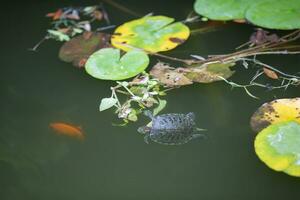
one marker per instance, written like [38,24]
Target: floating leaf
[278,146]
[106,64]
[276,111]
[107,103]
[185,76]
[79,48]
[222,9]
[161,105]
[151,33]
[279,14]
[210,73]
[168,75]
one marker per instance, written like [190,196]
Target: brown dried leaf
[261,36]
[210,73]
[270,73]
[97,15]
[168,75]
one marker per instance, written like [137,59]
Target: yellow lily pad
[278,146]
[151,33]
[276,111]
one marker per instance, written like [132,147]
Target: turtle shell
[173,128]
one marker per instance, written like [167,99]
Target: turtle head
[191,115]
[144,129]
[148,113]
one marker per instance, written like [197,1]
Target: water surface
[114,162]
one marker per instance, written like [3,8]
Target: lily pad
[276,111]
[107,64]
[279,14]
[278,146]
[79,48]
[222,9]
[151,33]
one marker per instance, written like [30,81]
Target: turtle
[171,129]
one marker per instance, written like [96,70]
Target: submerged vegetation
[127,52]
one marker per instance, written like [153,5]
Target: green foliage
[280,14]
[142,94]
[222,9]
[278,146]
[107,64]
[107,103]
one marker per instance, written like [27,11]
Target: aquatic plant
[150,33]
[107,64]
[280,14]
[277,143]
[276,111]
[278,146]
[142,93]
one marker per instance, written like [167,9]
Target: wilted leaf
[151,33]
[278,146]
[97,15]
[106,64]
[210,73]
[261,36]
[55,15]
[185,76]
[276,111]
[107,103]
[270,73]
[79,48]
[168,75]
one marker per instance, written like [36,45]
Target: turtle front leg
[147,138]
[199,135]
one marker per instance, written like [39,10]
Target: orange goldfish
[68,130]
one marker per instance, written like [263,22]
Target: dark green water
[114,162]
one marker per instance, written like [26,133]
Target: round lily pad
[151,33]
[279,14]
[107,64]
[276,111]
[79,48]
[278,146]
[222,9]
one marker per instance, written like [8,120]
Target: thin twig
[122,8]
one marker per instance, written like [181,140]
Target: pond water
[114,162]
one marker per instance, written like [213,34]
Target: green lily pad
[107,64]
[279,14]
[278,146]
[151,33]
[222,9]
